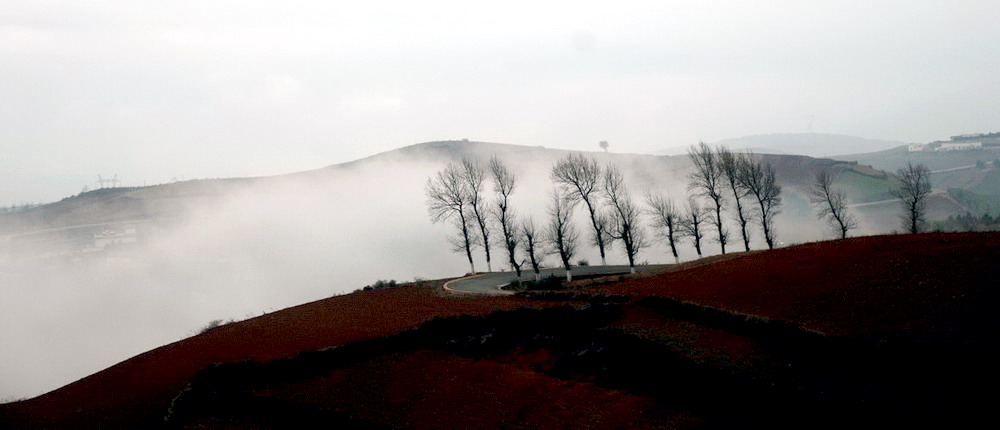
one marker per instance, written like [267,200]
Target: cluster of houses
[962,142]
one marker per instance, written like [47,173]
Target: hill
[784,338]
[971,170]
[810,144]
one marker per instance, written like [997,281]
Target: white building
[960,146]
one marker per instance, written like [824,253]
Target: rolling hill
[872,331]
[810,144]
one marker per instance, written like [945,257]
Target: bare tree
[561,235]
[666,220]
[504,183]
[833,203]
[758,178]
[626,225]
[706,181]
[448,199]
[531,240]
[911,186]
[730,163]
[579,178]
[474,176]
[690,225]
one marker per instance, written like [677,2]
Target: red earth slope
[938,287]
[140,389]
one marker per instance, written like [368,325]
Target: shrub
[212,325]
[582,263]
[549,283]
[379,284]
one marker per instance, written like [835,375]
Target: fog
[165,92]
[248,249]
[154,91]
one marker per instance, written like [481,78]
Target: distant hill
[811,144]
[972,170]
[884,330]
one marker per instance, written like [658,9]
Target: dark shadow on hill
[809,379]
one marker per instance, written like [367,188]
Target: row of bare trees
[456,194]
[722,181]
[721,177]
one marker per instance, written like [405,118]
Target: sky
[160,91]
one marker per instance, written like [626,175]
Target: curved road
[490,283]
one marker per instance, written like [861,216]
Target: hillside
[784,338]
[810,144]
[141,267]
[971,170]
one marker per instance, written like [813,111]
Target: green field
[861,188]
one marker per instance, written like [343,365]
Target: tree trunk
[569,276]
[718,226]
[746,238]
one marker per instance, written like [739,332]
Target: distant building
[959,146]
[914,147]
[985,139]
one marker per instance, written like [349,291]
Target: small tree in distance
[604,145]
[561,235]
[911,186]
[832,203]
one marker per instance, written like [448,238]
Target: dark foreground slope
[876,331]
[137,392]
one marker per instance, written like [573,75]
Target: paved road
[954,169]
[490,283]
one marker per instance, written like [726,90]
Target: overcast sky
[157,90]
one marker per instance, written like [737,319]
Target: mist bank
[95,279]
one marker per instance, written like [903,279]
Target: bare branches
[560,234]
[707,181]
[474,175]
[504,182]
[730,163]
[531,241]
[833,203]
[666,219]
[911,186]
[579,179]
[691,223]
[625,225]
[759,180]
[448,197]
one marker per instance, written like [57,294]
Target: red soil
[433,389]
[938,287]
[143,386]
